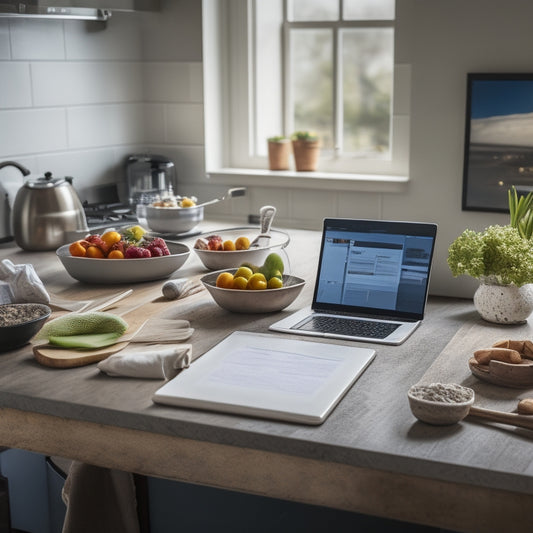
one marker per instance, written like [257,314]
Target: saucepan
[180,220]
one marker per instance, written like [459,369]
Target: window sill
[310,180]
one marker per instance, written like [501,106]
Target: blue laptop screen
[378,267]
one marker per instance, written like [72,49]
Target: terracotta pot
[504,304]
[278,155]
[306,154]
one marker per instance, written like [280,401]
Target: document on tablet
[270,377]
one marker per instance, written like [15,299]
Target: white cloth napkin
[25,284]
[152,361]
[174,289]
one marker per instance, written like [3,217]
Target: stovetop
[98,214]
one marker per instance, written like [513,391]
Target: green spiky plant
[521,212]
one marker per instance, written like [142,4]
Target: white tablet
[266,376]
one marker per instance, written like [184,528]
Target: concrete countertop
[372,427]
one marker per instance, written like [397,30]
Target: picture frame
[498,139]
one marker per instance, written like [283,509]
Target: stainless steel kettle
[44,210]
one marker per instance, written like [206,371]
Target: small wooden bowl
[518,376]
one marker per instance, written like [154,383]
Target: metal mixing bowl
[174,220]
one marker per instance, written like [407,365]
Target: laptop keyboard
[349,327]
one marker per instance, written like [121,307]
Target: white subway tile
[118,39]
[359,205]
[154,123]
[260,196]
[185,124]
[197,82]
[5,45]
[37,39]
[32,131]
[77,83]
[172,82]
[89,168]
[15,84]
[106,125]
[310,205]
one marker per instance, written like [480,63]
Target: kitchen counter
[369,456]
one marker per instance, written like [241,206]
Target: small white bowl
[219,260]
[439,412]
[253,301]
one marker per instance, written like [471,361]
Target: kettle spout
[22,168]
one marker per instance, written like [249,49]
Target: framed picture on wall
[498,140]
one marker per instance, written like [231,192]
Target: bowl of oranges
[230,248]
[252,289]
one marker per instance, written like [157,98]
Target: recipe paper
[268,376]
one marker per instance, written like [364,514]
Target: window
[321,65]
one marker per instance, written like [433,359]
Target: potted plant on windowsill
[278,152]
[306,149]
[501,257]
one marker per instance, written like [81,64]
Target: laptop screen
[374,267]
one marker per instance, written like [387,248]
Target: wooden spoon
[511,419]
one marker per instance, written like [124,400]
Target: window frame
[226,77]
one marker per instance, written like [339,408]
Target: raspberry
[158,242]
[155,251]
[135,252]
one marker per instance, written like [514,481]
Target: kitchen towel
[151,361]
[99,500]
[24,283]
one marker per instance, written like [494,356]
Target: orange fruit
[257,282]
[78,248]
[239,283]
[94,252]
[111,237]
[242,243]
[228,245]
[115,254]
[225,280]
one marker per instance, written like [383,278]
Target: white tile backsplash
[15,87]
[5,45]
[32,131]
[154,123]
[185,124]
[105,125]
[83,166]
[75,83]
[37,39]
[172,82]
[117,39]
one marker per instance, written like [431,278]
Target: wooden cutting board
[56,357]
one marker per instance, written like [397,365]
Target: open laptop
[372,281]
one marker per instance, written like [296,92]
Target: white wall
[76,101]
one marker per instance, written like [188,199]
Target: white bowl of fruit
[230,248]
[253,289]
[128,256]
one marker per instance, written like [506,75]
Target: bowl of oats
[20,322]
[440,404]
